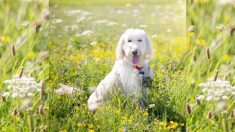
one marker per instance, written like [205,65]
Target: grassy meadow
[23,64]
[45,52]
[83,39]
[211,39]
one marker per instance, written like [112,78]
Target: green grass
[76,61]
[206,16]
[56,53]
[30,52]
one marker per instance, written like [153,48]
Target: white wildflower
[226,2]
[87,33]
[93,43]
[119,11]
[209,98]
[64,89]
[80,19]
[22,87]
[74,27]
[217,90]
[25,24]
[77,35]
[200,97]
[5,94]
[72,12]
[224,97]
[220,27]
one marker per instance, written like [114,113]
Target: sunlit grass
[82,49]
[23,53]
[212,57]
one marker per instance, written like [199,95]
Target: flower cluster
[22,87]
[218,90]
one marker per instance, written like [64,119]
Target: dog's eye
[129,40]
[139,40]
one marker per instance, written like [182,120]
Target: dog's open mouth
[135,59]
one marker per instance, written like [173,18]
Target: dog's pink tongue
[135,59]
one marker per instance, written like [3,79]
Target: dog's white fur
[123,74]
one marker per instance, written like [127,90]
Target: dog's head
[135,46]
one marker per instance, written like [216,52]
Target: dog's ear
[119,50]
[149,52]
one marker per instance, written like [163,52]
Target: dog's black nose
[134,52]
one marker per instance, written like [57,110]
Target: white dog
[133,54]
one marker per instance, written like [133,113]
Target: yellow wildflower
[162,123]
[117,111]
[200,42]
[95,118]
[92,130]
[146,113]
[31,55]
[5,38]
[78,58]
[226,58]
[90,126]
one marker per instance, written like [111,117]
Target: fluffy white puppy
[133,54]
